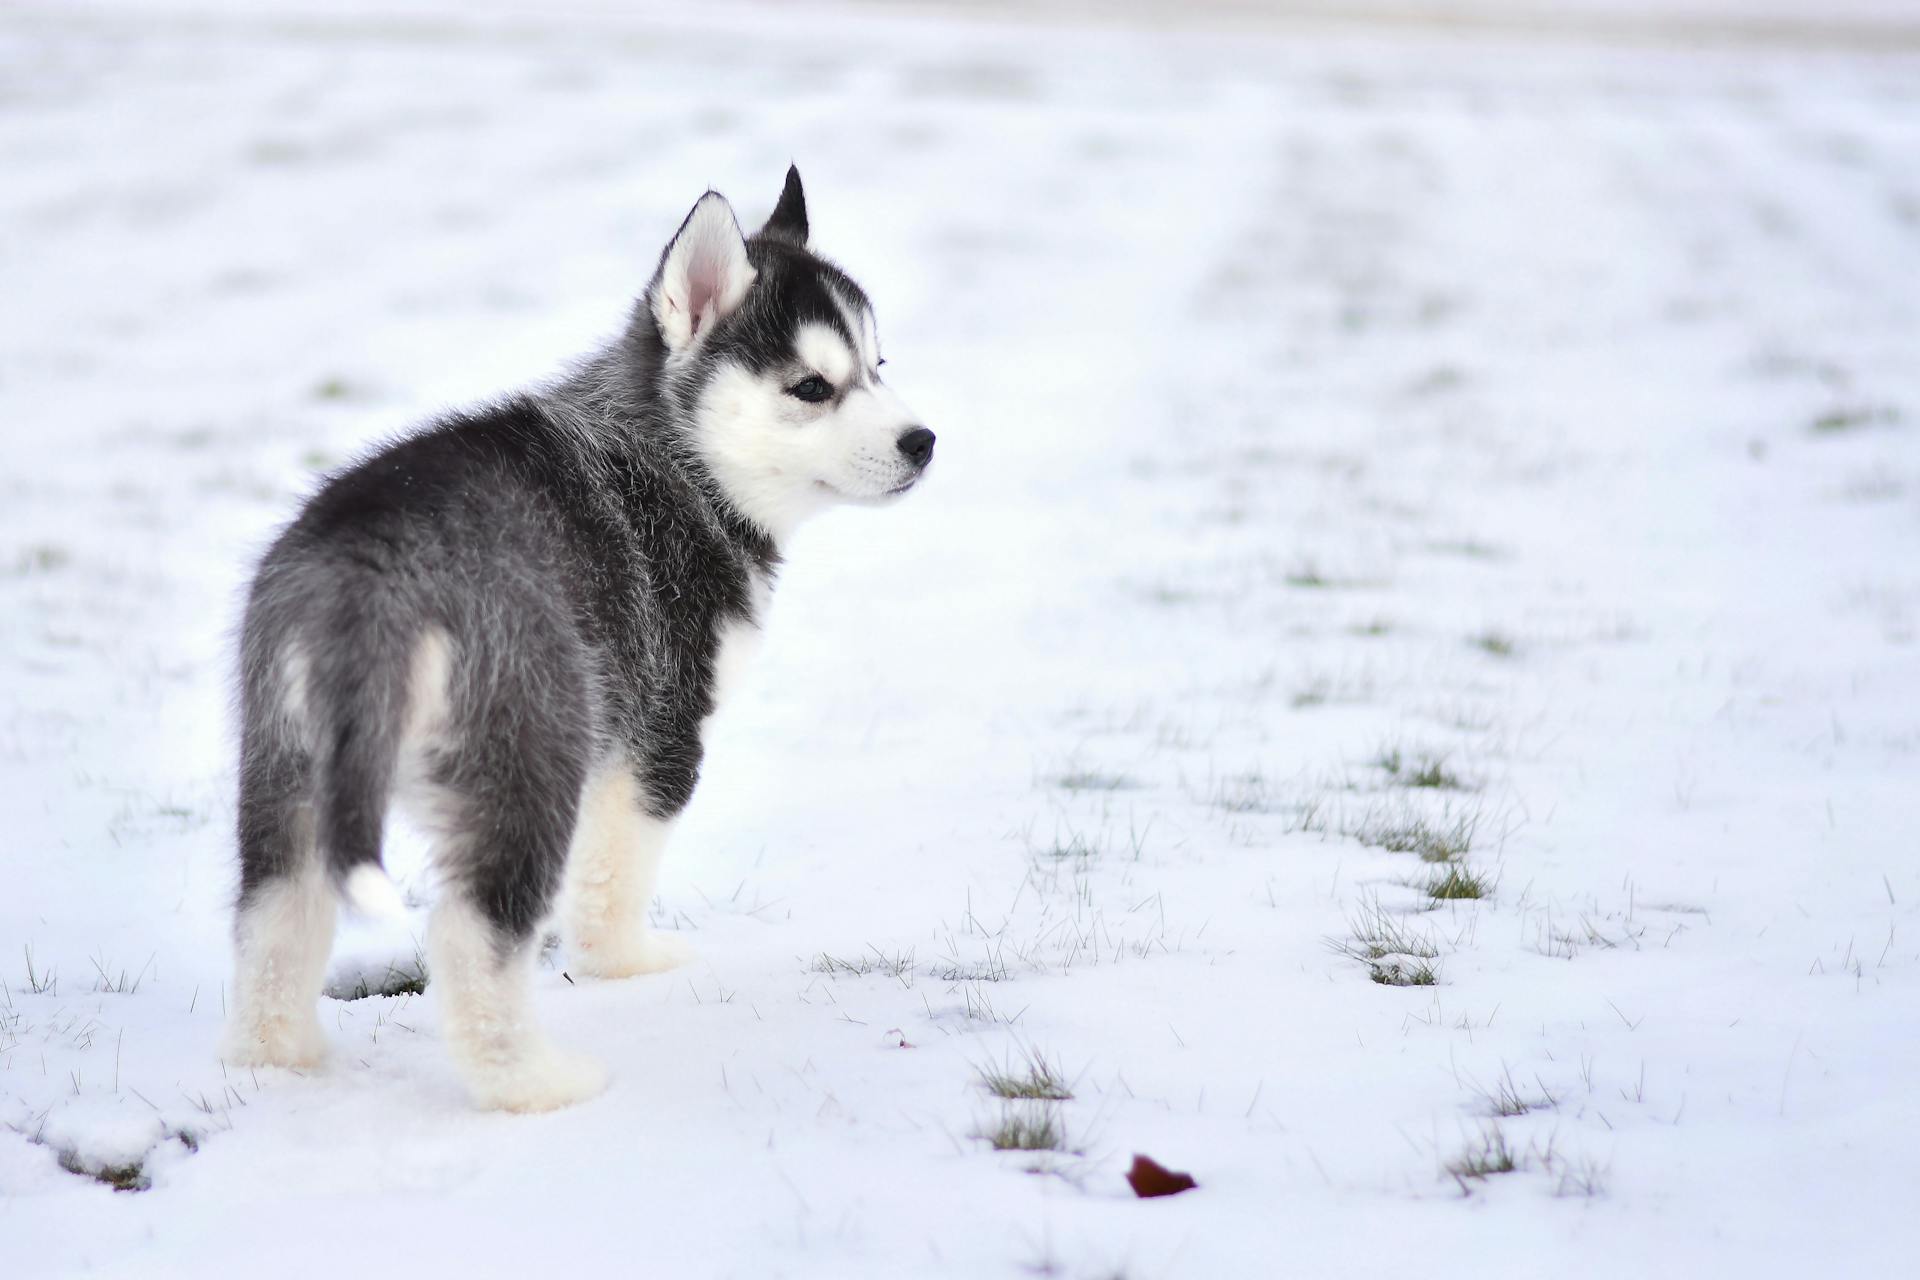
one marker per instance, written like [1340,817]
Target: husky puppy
[515,622]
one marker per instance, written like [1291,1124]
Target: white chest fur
[736,644]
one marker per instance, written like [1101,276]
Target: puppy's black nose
[917,444]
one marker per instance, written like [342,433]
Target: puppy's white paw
[545,1080]
[290,1040]
[650,952]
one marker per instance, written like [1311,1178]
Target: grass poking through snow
[1378,932]
[1093,780]
[1307,576]
[121,1177]
[1851,418]
[1026,1128]
[899,965]
[42,981]
[1506,1101]
[1584,1179]
[1407,832]
[1423,770]
[1243,793]
[1491,1157]
[1033,1079]
[1496,643]
[1396,951]
[1397,971]
[406,978]
[1456,883]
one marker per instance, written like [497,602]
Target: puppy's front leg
[611,872]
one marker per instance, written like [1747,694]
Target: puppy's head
[777,357]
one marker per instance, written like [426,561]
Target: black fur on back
[580,563]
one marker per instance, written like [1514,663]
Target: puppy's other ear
[789,220]
[703,274]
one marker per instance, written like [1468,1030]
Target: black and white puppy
[515,623]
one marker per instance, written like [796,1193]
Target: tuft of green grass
[1442,377]
[126,1176]
[1465,716]
[40,982]
[1093,780]
[335,388]
[1378,933]
[1308,577]
[979,1005]
[1585,1180]
[1415,833]
[1320,690]
[42,557]
[1493,1156]
[1243,793]
[1397,952]
[1471,548]
[1372,627]
[1496,643]
[898,965]
[1425,770]
[1076,846]
[1853,417]
[121,1177]
[1315,693]
[107,981]
[1457,883]
[1506,1101]
[1397,972]
[1035,1080]
[1169,596]
[1309,815]
[1026,1128]
[407,978]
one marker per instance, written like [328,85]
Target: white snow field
[1374,458]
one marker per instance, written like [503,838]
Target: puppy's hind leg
[611,872]
[283,929]
[483,975]
[500,854]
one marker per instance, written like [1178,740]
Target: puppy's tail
[371,892]
[361,690]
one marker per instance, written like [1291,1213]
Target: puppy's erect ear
[789,220]
[703,275]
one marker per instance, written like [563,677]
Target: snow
[1539,401]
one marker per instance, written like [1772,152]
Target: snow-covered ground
[1534,413]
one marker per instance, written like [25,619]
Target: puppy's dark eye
[813,388]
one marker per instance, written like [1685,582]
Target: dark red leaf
[1151,1178]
